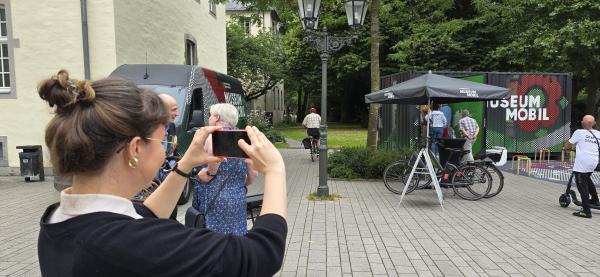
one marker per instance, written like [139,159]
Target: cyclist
[312,121]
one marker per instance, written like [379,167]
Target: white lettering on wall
[522,107]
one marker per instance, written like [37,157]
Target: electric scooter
[565,199]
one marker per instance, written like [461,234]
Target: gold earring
[133,162]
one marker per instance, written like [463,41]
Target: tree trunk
[303,108]
[299,110]
[592,99]
[374,108]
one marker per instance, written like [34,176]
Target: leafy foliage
[363,163]
[256,60]
[260,121]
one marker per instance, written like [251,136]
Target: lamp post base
[322,191]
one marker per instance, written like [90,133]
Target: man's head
[588,122]
[464,113]
[313,110]
[171,104]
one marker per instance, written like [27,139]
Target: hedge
[361,162]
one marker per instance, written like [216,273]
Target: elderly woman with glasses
[221,195]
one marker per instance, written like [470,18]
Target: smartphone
[225,143]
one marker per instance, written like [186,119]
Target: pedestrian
[108,135]
[586,146]
[226,182]
[170,144]
[438,123]
[447,111]
[469,129]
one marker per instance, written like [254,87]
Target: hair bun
[64,93]
[84,91]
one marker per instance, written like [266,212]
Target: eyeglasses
[169,143]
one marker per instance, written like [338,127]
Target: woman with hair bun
[107,135]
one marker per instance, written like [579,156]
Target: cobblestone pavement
[521,232]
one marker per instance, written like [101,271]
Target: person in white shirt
[586,143]
[438,123]
[312,122]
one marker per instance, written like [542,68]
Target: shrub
[363,163]
[260,121]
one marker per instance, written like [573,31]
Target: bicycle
[314,148]
[497,177]
[463,178]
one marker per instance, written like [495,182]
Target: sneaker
[595,203]
[582,214]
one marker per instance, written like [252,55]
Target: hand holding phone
[225,143]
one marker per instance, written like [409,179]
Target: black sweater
[110,244]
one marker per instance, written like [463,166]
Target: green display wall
[476,111]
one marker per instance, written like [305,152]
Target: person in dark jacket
[108,135]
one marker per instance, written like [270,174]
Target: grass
[338,135]
[281,145]
[332,197]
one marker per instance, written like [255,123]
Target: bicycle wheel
[471,182]
[497,180]
[395,175]
[313,151]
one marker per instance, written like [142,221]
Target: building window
[190,52]
[212,7]
[5,64]
[3,152]
[246,23]
[276,98]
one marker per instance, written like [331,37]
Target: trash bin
[31,162]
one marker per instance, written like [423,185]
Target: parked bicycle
[470,181]
[497,177]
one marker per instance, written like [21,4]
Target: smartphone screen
[225,143]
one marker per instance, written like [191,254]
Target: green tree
[258,61]
[439,35]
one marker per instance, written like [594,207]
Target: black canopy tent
[441,89]
[437,88]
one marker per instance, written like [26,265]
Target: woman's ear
[133,148]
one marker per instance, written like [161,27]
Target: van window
[178,92]
[197,105]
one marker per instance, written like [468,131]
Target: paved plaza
[521,232]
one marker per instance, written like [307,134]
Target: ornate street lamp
[355,12]
[309,15]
